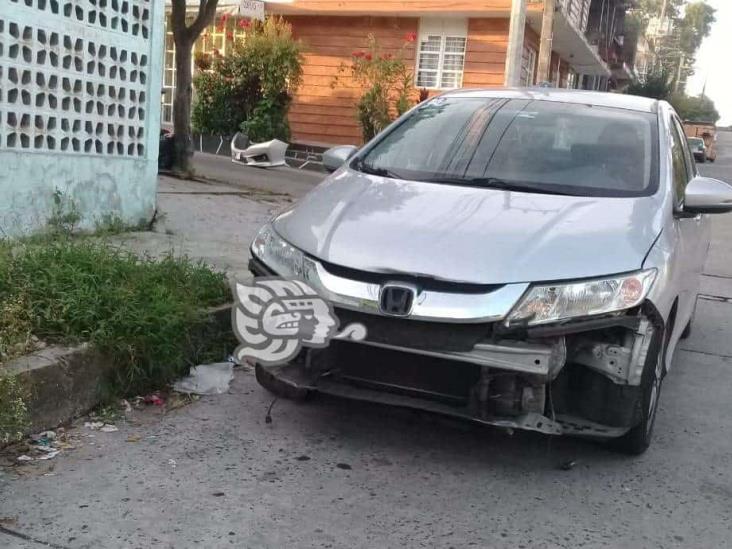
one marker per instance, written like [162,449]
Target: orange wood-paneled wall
[485,55]
[323,110]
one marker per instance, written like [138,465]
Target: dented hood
[465,234]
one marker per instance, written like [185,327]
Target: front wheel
[638,439]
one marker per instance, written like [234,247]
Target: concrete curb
[67,382]
[64,382]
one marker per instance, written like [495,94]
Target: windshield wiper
[496,183]
[372,170]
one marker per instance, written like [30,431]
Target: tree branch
[206,14]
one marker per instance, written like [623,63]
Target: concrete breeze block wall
[80,88]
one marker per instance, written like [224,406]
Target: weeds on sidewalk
[146,314]
[13,412]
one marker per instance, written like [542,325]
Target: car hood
[465,234]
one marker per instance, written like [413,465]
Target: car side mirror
[705,195]
[337,156]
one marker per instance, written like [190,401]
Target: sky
[714,64]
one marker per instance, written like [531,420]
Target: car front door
[693,232]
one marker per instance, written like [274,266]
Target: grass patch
[146,314]
[13,412]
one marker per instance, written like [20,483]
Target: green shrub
[251,87]
[147,314]
[387,85]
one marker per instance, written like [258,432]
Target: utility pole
[545,46]
[515,44]
[664,7]
[682,58]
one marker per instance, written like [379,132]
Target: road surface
[337,474]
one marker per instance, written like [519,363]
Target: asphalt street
[331,473]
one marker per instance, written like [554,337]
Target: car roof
[583,97]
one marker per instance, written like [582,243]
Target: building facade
[449,45]
[79,111]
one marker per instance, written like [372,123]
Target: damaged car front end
[502,355]
[521,258]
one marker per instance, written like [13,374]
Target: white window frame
[444,29]
[528,66]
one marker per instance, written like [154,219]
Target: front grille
[416,334]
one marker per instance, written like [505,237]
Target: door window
[679,157]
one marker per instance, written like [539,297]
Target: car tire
[638,439]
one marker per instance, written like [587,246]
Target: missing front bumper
[294,381]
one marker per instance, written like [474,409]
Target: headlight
[554,302]
[280,256]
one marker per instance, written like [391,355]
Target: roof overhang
[413,8]
[407,8]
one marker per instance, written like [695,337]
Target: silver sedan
[522,258]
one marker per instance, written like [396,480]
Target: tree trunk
[184,38]
[182,140]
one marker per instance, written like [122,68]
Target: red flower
[224,18]
[368,57]
[243,24]
[357,54]
[229,35]
[220,27]
[410,37]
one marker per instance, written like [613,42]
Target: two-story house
[449,43]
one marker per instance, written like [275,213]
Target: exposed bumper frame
[291,381]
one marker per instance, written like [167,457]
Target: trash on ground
[44,446]
[207,379]
[101,426]
[155,399]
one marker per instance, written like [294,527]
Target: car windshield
[521,144]
[696,142]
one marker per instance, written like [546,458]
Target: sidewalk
[285,179]
[212,222]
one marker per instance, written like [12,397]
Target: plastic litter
[207,379]
[101,426]
[49,455]
[154,399]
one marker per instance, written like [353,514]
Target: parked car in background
[698,149]
[545,290]
[707,131]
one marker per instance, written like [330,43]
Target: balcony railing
[576,11]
